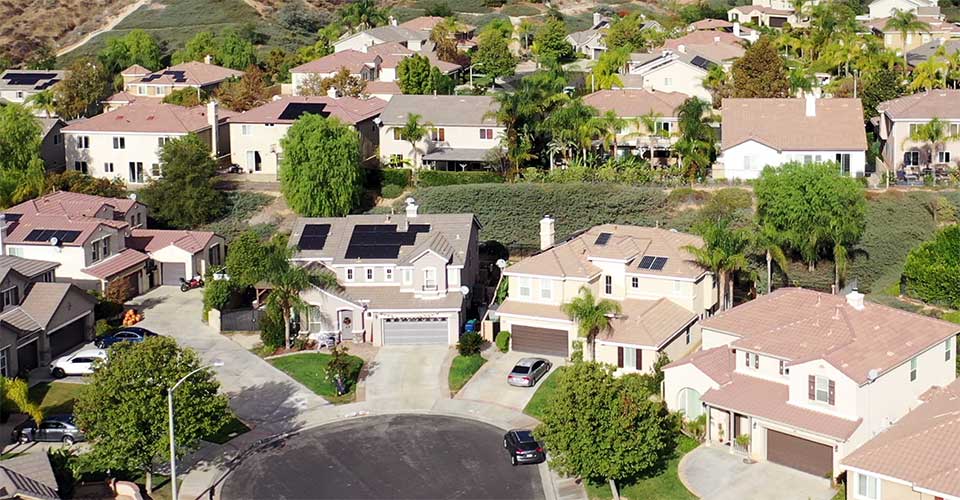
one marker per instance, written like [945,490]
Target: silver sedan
[528,371]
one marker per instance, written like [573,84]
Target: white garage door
[415,331]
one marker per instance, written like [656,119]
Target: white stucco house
[809,376]
[757,133]
[880,9]
[669,71]
[19,85]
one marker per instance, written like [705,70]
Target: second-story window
[635,282]
[11,297]
[430,279]
[781,367]
[608,285]
[751,359]
[105,247]
[369,274]
[546,289]
[821,389]
[437,134]
[407,275]
[486,133]
[349,273]
[397,136]
[388,274]
[95,251]
[913,369]
[83,142]
[119,143]
[524,288]
[246,129]
[946,350]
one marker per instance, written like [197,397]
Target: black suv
[523,448]
[54,428]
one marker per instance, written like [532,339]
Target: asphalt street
[394,457]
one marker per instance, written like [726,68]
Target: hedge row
[932,270]
[379,177]
[433,178]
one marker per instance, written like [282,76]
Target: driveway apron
[414,375]
[489,384]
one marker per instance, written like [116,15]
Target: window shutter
[831,399]
[619,357]
[756,361]
[811,387]
[639,359]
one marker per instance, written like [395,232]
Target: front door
[346,324]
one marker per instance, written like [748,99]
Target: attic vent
[602,239]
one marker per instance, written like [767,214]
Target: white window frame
[368,273]
[246,129]
[523,288]
[388,274]
[913,369]
[104,246]
[947,350]
[825,390]
[863,484]
[943,157]
[83,142]
[4,367]
[407,276]
[119,142]
[430,278]
[14,299]
[635,282]
[348,273]
[630,358]
[607,284]
[546,289]
[108,167]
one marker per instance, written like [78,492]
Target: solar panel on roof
[62,236]
[602,239]
[12,217]
[381,241]
[645,262]
[316,229]
[28,78]
[701,62]
[418,228]
[296,109]
[658,263]
[68,236]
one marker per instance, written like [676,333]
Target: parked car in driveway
[54,428]
[125,334]
[528,371]
[523,448]
[78,363]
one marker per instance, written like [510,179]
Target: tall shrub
[932,270]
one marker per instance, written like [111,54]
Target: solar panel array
[32,79]
[602,239]
[296,109]
[46,234]
[12,217]
[177,76]
[314,236]
[381,241]
[652,263]
[702,62]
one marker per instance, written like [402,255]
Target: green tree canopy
[185,196]
[187,96]
[123,410]
[882,85]
[80,92]
[932,270]
[416,76]
[202,44]
[79,182]
[550,44]
[320,173]
[631,34]
[761,72]
[234,51]
[136,47]
[20,137]
[363,14]
[244,93]
[493,56]
[247,259]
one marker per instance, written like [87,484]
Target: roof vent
[855,299]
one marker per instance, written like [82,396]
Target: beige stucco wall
[713,338]
[139,147]
[52,150]
[684,376]
[677,76]
[261,138]
[888,490]
[454,137]
[898,141]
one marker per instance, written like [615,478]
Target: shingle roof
[117,264]
[923,52]
[923,447]
[765,399]
[939,103]
[350,110]
[28,476]
[800,325]
[782,124]
[647,322]
[572,257]
[135,70]
[440,110]
[27,267]
[717,46]
[150,117]
[151,240]
[40,305]
[354,60]
[635,103]
[192,73]
[382,88]
[74,204]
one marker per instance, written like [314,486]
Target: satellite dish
[54,241]
[501,263]
[465,290]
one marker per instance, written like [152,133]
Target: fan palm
[610,124]
[287,281]
[44,101]
[935,133]
[768,242]
[591,316]
[723,253]
[696,147]
[904,22]
[413,131]
[715,80]
[363,14]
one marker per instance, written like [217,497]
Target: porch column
[730,430]
[708,433]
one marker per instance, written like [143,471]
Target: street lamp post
[173,449]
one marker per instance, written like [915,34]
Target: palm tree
[524,30]
[715,81]
[935,133]
[769,242]
[905,22]
[723,253]
[287,281]
[363,14]
[930,74]
[696,146]
[610,124]
[591,316]
[44,101]
[413,132]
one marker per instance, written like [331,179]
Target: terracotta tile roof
[636,103]
[937,25]
[191,73]
[17,232]
[572,257]
[440,110]
[746,9]
[18,319]
[135,70]
[349,110]
[354,60]
[422,23]
[801,325]
[765,399]
[717,363]
[388,298]
[939,103]
[782,124]
[511,306]
[151,240]
[922,448]
[116,264]
[13,484]
[710,24]
[382,88]
[36,466]
[647,322]
[714,45]
[71,204]
[149,117]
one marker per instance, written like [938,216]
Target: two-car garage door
[415,331]
[539,340]
[798,453]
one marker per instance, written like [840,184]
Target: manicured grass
[11,454]
[519,10]
[462,368]
[55,397]
[471,6]
[310,370]
[231,428]
[953,316]
[539,400]
[664,486]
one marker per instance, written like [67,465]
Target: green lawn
[664,486]
[310,370]
[231,428]
[55,397]
[462,368]
[953,316]
[539,400]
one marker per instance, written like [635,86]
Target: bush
[932,270]
[430,178]
[271,328]
[470,344]
[391,191]
[101,327]
[397,176]
[503,341]
[518,9]
[216,295]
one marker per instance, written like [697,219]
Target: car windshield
[521,369]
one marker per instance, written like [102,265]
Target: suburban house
[51,148]
[768,13]
[719,46]
[125,143]
[638,107]
[30,476]
[768,132]
[884,8]
[669,71]
[661,292]
[722,26]
[901,116]
[256,134]
[18,85]
[203,76]
[808,376]
[413,39]
[98,241]
[915,458]
[39,318]
[464,33]
[927,50]
[462,131]
[939,30]
[590,42]
[403,278]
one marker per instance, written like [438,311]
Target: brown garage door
[539,340]
[798,453]
[66,338]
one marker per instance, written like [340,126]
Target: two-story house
[404,279]
[646,270]
[937,29]
[758,133]
[768,13]
[256,134]
[39,319]
[900,117]
[413,39]
[590,42]
[19,85]
[809,376]
[204,76]
[642,109]
[125,143]
[879,9]
[463,131]
[681,64]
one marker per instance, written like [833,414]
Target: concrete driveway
[410,376]
[712,473]
[490,383]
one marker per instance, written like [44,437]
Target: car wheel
[59,373]
[513,461]
[68,440]
[24,439]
